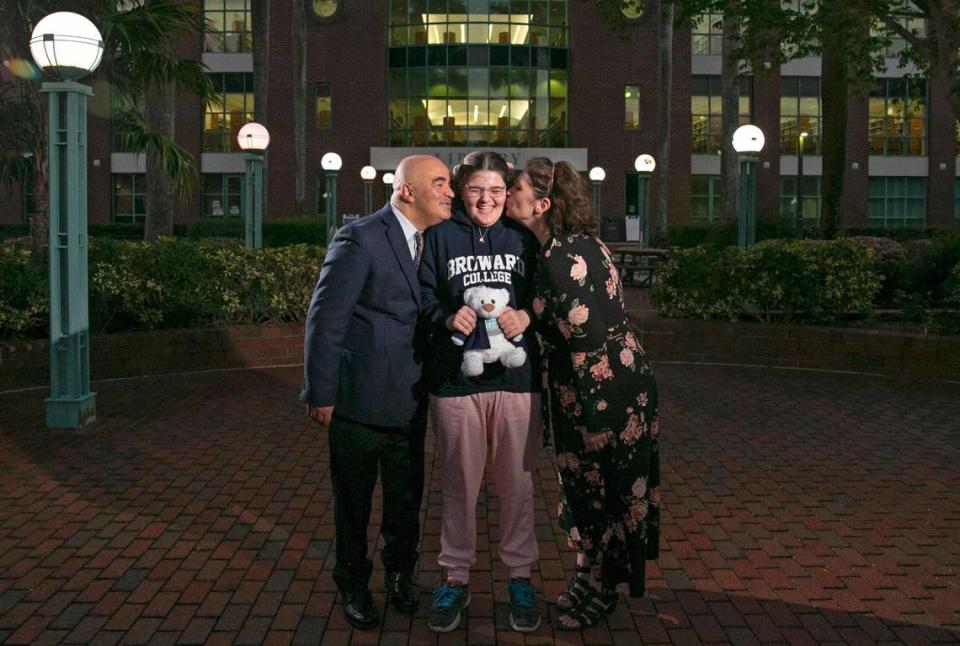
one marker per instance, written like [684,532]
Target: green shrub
[819,282]
[701,282]
[721,234]
[169,284]
[276,233]
[930,266]
[180,283]
[890,261]
[24,293]
[8,231]
[947,320]
[126,230]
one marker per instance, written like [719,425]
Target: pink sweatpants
[510,424]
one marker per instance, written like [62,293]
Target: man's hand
[463,320]
[513,322]
[322,415]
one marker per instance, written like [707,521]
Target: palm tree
[145,69]
[140,60]
[299,45]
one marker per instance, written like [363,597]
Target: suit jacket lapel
[402,251]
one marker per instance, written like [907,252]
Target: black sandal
[593,607]
[578,586]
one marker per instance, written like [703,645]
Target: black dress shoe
[402,591]
[359,610]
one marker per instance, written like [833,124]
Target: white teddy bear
[487,343]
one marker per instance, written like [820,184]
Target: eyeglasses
[496,192]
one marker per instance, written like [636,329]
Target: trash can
[611,229]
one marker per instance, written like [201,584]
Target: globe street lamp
[368,174]
[331,163]
[803,136]
[254,139]
[644,165]
[68,47]
[748,142]
[597,175]
[388,184]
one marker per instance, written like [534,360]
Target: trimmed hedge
[718,235]
[170,283]
[276,233]
[813,281]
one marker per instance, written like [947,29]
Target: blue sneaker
[524,616]
[449,600]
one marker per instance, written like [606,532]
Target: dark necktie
[418,247]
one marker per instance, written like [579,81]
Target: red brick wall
[941,149]
[149,353]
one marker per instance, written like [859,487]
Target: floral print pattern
[600,406]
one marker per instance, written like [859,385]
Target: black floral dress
[600,407]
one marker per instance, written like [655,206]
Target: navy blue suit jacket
[360,353]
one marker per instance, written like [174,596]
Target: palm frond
[133,135]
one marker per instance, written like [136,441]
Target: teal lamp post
[644,165]
[368,174]
[68,47]
[254,139]
[331,164]
[387,179]
[597,175]
[747,142]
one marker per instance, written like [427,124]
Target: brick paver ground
[799,507]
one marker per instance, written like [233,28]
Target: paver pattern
[799,507]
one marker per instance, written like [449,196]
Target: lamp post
[68,46]
[368,174]
[254,139]
[803,136]
[644,165]
[748,142]
[388,184]
[331,163]
[597,175]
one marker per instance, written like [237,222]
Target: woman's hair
[479,160]
[570,211]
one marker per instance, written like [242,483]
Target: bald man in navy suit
[362,382]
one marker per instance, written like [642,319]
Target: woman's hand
[513,322]
[463,320]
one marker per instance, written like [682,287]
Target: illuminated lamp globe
[645,163]
[331,161]
[368,173]
[66,45]
[253,136]
[597,174]
[748,139]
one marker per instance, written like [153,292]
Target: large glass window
[485,22]
[707,34]
[898,117]
[705,197]
[221,195]
[706,111]
[491,73]
[631,106]
[228,26]
[810,197]
[225,115]
[129,190]
[910,18]
[898,202]
[800,111]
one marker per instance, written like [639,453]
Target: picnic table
[636,263]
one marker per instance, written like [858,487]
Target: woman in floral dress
[600,397]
